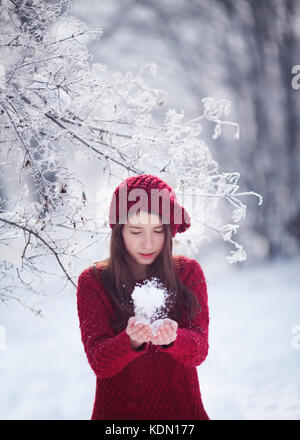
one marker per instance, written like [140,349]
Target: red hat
[154,195]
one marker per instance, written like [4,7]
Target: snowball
[149,301]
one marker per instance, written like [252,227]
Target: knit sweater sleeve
[106,352]
[191,344]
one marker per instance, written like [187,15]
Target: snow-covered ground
[253,367]
[252,370]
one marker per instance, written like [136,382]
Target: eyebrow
[138,227]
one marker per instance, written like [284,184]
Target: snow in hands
[149,300]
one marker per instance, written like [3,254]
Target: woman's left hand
[166,333]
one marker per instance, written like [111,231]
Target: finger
[174,327]
[162,336]
[148,331]
[157,338]
[132,321]
[169,331]
[136,328]
[141,330]
[166,335]
[156,341]
[143,326]
[144,337]
[148,336]
[130,326]
[139,321]
[173,323]
[166,329]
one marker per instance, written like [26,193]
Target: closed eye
[136,233]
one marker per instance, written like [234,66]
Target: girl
[139,375]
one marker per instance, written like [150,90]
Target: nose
[148,242]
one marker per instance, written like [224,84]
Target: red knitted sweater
[153,382]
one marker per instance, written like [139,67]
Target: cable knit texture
[153,382]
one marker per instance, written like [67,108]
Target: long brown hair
[118,279]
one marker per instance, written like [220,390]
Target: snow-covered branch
[61,114]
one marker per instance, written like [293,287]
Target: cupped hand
[166,333]
[138,332]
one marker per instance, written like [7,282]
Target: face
[143,234]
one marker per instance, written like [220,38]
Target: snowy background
[227,51]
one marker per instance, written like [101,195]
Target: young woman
[141,376]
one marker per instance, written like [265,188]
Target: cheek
[160,241]
[130,242]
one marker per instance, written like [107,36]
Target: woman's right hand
[138,332]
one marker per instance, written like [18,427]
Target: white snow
[251,372]
[149,301]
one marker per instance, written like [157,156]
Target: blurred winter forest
[206,96]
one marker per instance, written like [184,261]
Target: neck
[138,271]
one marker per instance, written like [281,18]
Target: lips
[147,255]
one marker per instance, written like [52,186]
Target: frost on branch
[70,131]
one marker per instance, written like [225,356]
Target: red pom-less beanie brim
[154,195]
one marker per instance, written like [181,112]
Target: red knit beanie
[154,195]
